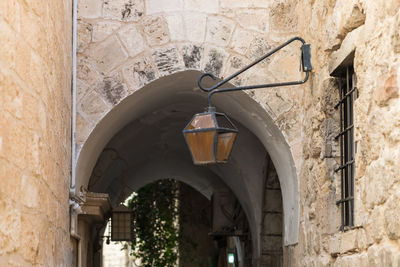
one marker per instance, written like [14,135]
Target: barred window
[348,92]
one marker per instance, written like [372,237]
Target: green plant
[156,212]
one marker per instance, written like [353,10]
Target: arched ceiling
[146,130]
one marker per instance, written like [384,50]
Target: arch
[239,106]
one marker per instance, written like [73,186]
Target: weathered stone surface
[241,40]
[90,8]
[254,19]
[388,87]
[112,88]
[192,55]
[84,35]
[125,10]
[139,72]
[155,6]
[93,107]
[103,29]
[272,224]
[195,27]
[219,30]
[206,6]
[176,27]
[392,217]
[234,64]
[283,16]
[86,72]
[214,60]
[108,54]
[132,39]
[259,46]
[156,30]
[273,200]
[167,60]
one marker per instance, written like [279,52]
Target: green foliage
[155,208]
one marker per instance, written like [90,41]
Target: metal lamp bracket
[305,63]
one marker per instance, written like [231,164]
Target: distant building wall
[35,119]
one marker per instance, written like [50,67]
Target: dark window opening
[348,93]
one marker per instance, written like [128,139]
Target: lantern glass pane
[201,122]
[121,226]
[224,146]
[223,121]
[201,146]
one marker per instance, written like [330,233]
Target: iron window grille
[348,93]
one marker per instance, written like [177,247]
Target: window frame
[347,93]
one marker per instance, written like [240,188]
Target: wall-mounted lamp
[211,135]
[122,224]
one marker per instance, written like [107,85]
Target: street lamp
[210,135]
[122,224]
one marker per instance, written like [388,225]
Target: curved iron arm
[306,64]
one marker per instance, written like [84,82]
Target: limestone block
[254,19]
[392,217]
[285,66]
[334,245]
[108,54]
[89,8]
[103,29]
[93,107]
[272,223]
[83,129]
[132,39]
[10,227]
[214,60]
[348,45]
[84,35]
[156,30]
[234,64]
[346,16]
[30,187]
[271,243]
[192,55]
[86,72]
[156,6]
[273,200]
[167,60]
[259,46]
[195,24]
[377,186]
[112,88]
[348,242]
[13,98]
[388,87]
[206,6]
[283,16]
[245,4]
[139,72]
[125,10]
[241,40]
[176,27]
[219,30]
[395,34]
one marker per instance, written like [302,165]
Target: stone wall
[35,84]
[335,28]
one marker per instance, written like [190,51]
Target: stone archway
[176,96]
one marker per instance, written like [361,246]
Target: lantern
[122,224]
[210,137]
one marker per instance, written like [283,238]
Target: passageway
[148,136]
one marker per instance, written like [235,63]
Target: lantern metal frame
[217,128]
[122,209]
[306,66]
[305,63]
